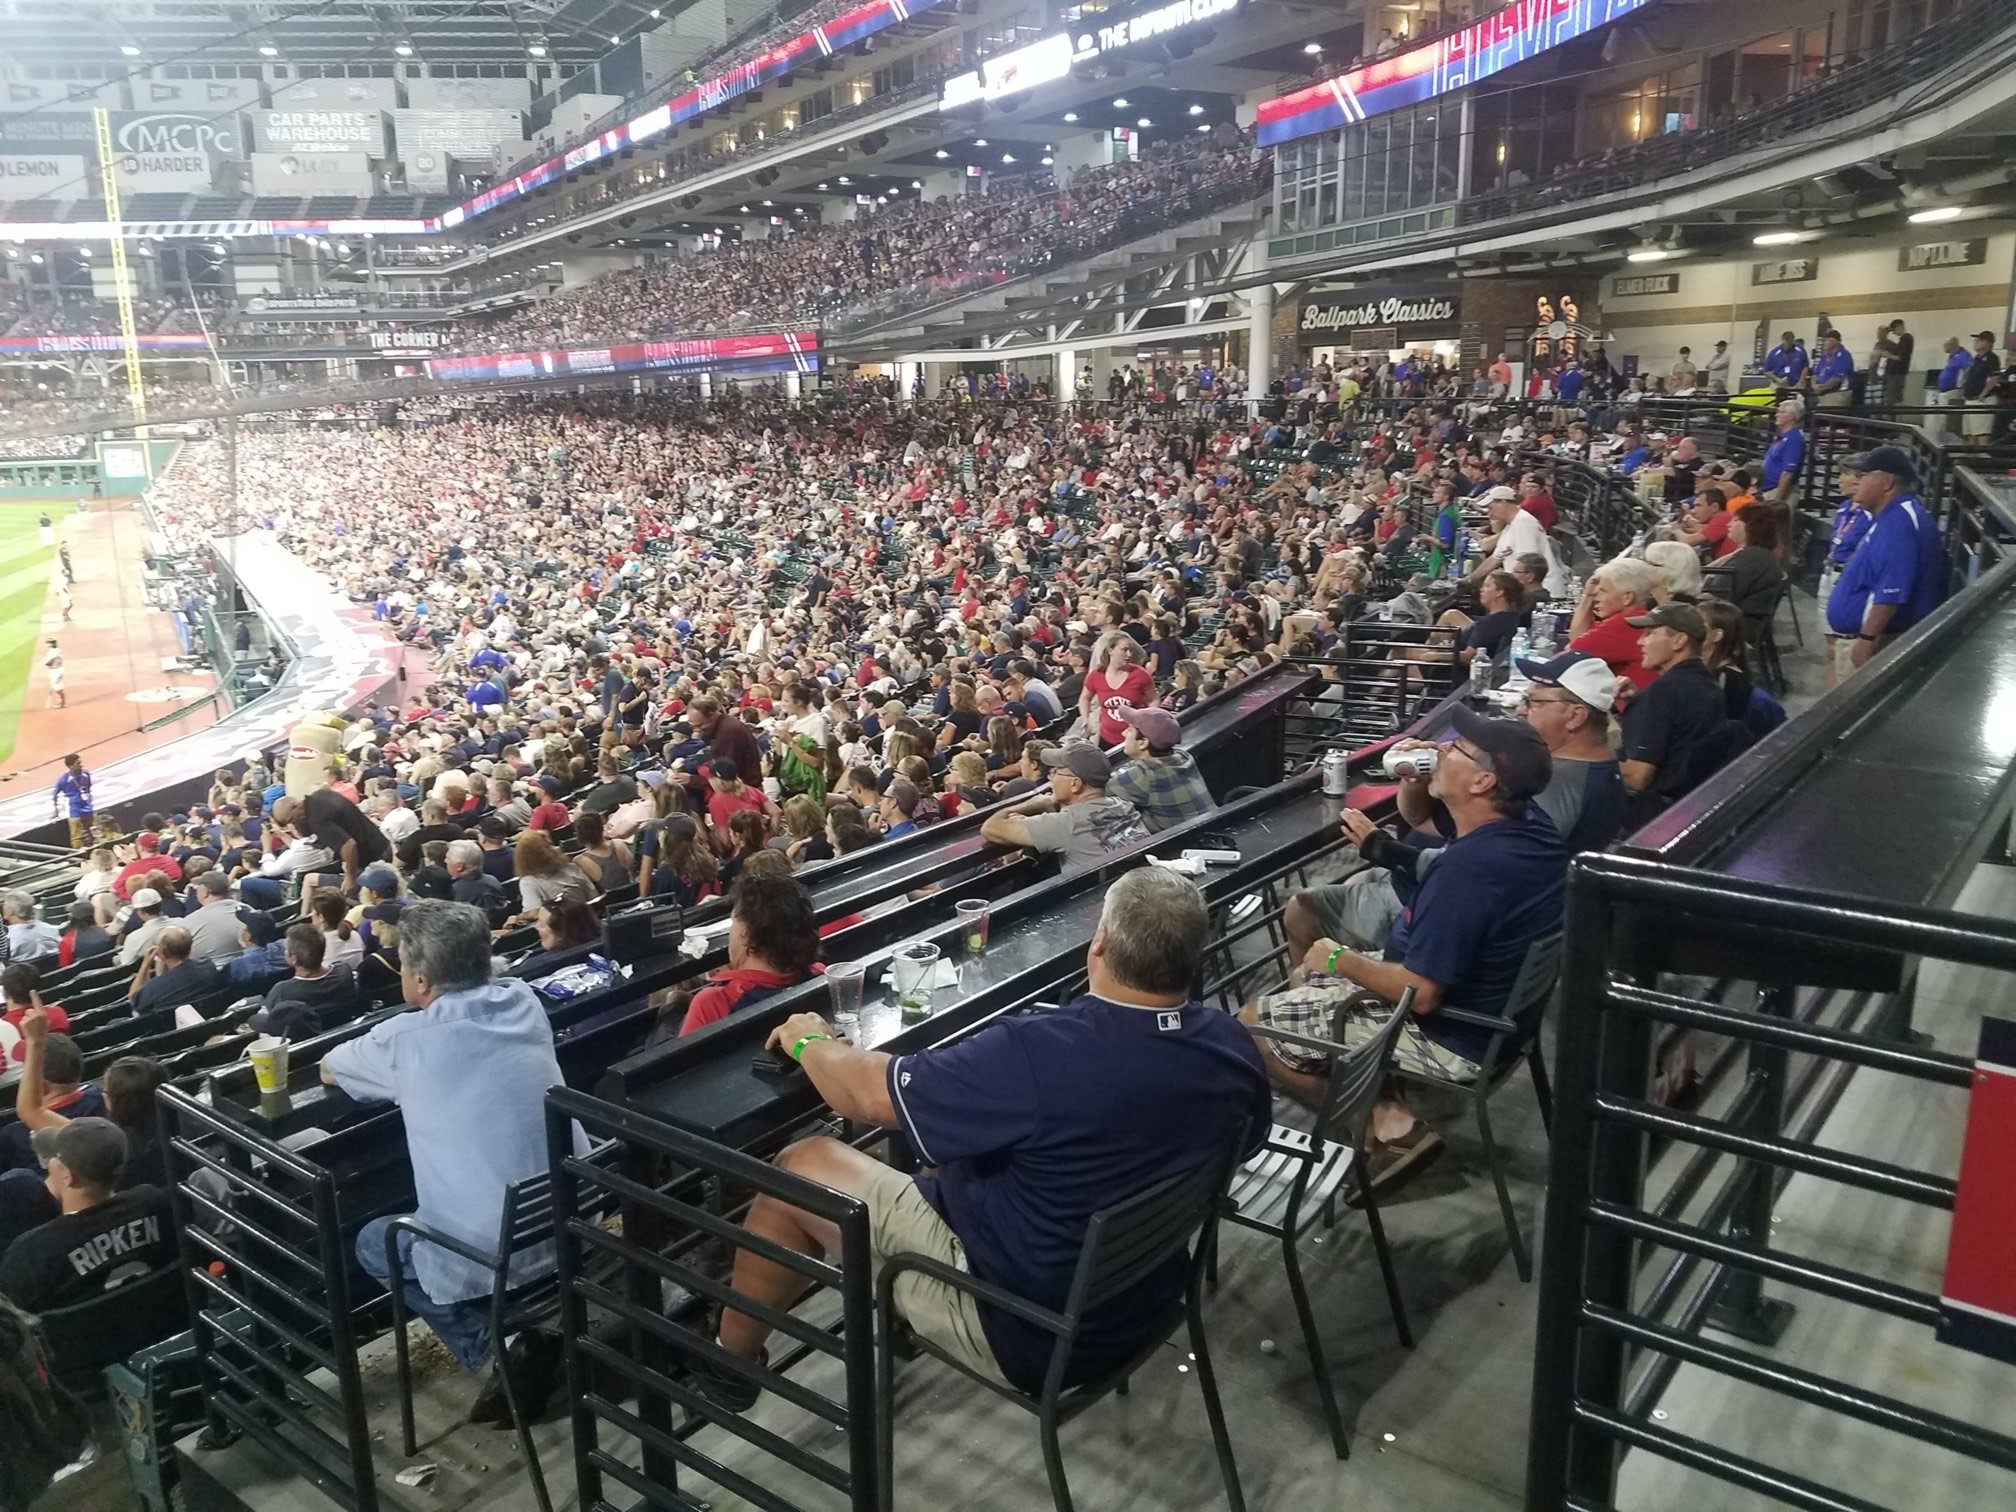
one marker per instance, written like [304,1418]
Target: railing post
[1743,1309]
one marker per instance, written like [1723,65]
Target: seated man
[1678,731]
[171,975]
[1028,1128]
[1160,778]
[104,1238]
[469,1071]
[64,1091]
[1497,887]
[1079,821]
[773,939]
[315,997]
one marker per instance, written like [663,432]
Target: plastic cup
[844,979]
[269,1063]
[973,924]
[912,970]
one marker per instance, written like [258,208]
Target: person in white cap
[1518,534]
[1569,701]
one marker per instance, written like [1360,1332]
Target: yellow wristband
[1330,965]
[798,1050]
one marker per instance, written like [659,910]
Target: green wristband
[1330,965]
[798,1050]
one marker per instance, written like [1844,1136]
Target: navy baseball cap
[1893,460]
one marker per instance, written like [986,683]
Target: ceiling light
[1777,238]
[656,14]
[1144,121]
[1070,115]
[743,210]
[1312,48]
[1649,254]
[845,180]
[83,251]
[35,257]
[1203,125]
[1048,161]
[1196,110]
[1121,103]
[404,49]
[916,183]
[1942,213]
[1007,157]
[615,41]
[822,186]
[941,153]
[129,50]
[537,49]
[767,204]
[979,141]
[268,50]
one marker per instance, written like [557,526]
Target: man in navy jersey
[1027,1129]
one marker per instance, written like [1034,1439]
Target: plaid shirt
[1166,789]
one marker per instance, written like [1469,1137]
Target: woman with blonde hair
[1678,569]
[966,779]
[804,837]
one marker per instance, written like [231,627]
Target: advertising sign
[205,95]
[175,133]
[406,341]
[1508,36]
[786,351]
[319,131]
[1925,256]
[337,94]
[1417,313]
[1784,270]
[474,136]
[1639,285]
[24,177]
[297,173]
[54,132]
[302,304]
[148,342]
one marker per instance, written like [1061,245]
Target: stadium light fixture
[1777,238]
[1312,48]
[1070,117]
[1144,123]
[941,153]
[537,49]
[403,49]
[127,49]
[979,141]
[1048,161]
[1203,125]
[268,50]
[916,183]
[1934,216]
[1007,157]
[1649,254]
[1121,103]
[1196,110]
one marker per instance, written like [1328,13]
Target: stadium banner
[176,134]
[302,172]
[26,177]
[1507,36]
[71,135]
[336,94]
[208,95]
[772,63]
[174,342]
[360,131]
[312,305]
[781,352]
[514,95]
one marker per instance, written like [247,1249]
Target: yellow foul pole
[129,341]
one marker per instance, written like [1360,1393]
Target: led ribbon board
[1522,30]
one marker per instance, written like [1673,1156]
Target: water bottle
[1522,647]
[1543,637]
[1480,672]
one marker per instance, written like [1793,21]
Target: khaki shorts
[900,1221]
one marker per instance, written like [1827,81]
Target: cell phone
[774,1062]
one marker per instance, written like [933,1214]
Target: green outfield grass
[24,585]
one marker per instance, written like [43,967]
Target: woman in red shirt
[1117,681]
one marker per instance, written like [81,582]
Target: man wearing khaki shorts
[1024,1131]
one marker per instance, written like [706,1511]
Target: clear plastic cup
[844,979]
[912,971]
[973,913]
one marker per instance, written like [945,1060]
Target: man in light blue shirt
[469,1071]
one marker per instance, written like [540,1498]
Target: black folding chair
[1296,1176]
[526,1223]
[1514,1037]
[1123,1245]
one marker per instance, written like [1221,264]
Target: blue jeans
[463,1326]
[263,893]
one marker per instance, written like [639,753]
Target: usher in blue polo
[1831,365]
[1900,561]
[1037,1122]
[1786,455]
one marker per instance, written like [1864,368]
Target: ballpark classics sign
[1324,315]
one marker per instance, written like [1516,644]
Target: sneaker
[1390,1161]
[534,1360]
[723,1387]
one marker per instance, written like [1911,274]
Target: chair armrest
[986,1291]
[1290,1037]
[1490,1022]
[412,1224]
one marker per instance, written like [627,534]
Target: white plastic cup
[972,914]
[269,1063]
[911,971]
[845,979]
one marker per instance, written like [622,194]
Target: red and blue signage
[173,342]
[1977,1299]
[779,352]
[1521,30]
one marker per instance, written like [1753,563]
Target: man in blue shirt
[1953,373]
[1569,387]
[74,787]
[1786,361]
[1778,474]
[486,695]
[1026,1129]
[1897,574]
[1833,373]
[1497,887]
[470,1071]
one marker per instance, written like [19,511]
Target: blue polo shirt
[1787,365]
[1490,895]
[486,695]
[1845,534]
[1569,385]
[1955,369]
[1786,454]
[1829,366]
[1037,1122]
[1900,561]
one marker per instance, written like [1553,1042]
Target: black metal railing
[267,1262]
[682,1202]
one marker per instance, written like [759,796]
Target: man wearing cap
[147,908]
[1569,701]
[1498,886]
[73,789]
[1160,778]
[104,1236]
[1079,822]
[550,813]
[1677,731]
[1833,373]
[1519,534]
[1896,575]
[213,923]
[1978,387]
[1786,362]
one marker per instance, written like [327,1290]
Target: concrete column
[794,385]
[1259,336]
[1065,385]
[706,385]
[906,379]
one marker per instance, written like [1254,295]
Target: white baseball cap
[1585,676]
